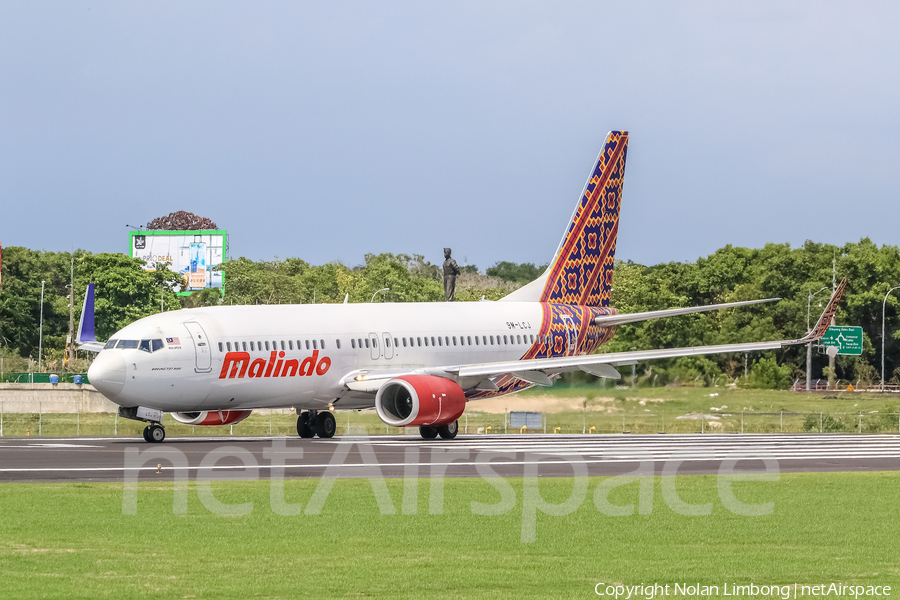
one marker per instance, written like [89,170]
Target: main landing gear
[154,433]
[311,423]
[447,432]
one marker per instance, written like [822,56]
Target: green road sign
[848,340]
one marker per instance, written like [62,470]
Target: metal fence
[43,377]
[261,423]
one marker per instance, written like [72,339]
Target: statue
[451,270]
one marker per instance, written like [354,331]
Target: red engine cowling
[420,400]
[212,417]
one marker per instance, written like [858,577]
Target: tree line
[126,292]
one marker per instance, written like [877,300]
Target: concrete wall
[64,398]
[53,398]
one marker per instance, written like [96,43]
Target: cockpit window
[156,345]
[125,344]
[110,344]
[144,345]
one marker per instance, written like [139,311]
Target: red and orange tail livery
[581,272]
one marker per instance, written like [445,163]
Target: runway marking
[52,446]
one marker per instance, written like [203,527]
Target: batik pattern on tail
[565,330]
[583,268]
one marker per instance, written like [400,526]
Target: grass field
[73,541]
[642,410]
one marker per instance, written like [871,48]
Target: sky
[330,130]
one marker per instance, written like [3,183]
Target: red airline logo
[238,364]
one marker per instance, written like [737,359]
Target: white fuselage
[322,346]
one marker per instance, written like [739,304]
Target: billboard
[193,254]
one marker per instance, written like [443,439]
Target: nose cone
[107,373]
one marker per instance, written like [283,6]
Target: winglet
[86,325]
[824,321]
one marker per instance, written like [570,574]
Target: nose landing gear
[311,423]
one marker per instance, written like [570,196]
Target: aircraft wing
[607,320]
[536,370]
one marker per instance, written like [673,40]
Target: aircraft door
[202,349]
[374,346]
[571,335]
[388,346]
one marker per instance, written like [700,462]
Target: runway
[114,459]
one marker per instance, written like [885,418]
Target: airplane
[417,364]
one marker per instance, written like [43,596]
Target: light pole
[378,292]
[883,305]
[809,299]
[41,328]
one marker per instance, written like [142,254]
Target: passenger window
[367,342]
[374,343]
[267,345]
[157,345]
[439,341]
[504,339]
[352,343]
[244,345]
[447,340]
[469,339]
[282,344]
[220,346]
[396,343]
[426,341]
[228,345]
[492,340]
[454,340]
[144,345]
[322,344]
[338,344]
[404,342]
[484,340]
[432,341]
[387,342]
[307,344]
[112,344]
[359,341]
[418,339]
[315,346]
[290,344]
[252,346]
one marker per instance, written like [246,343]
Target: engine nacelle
[412,400]
[212,417]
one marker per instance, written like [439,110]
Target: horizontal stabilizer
[608,320]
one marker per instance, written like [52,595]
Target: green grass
[73,541]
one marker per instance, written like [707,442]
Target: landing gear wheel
[147,434]
[428,432]
[325,425]
[305,428]
[449,431]
[156,433]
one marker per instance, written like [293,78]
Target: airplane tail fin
[581,272]
[86,324]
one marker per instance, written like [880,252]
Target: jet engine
[412,400]
[212,417]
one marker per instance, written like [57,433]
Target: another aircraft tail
[581,272]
